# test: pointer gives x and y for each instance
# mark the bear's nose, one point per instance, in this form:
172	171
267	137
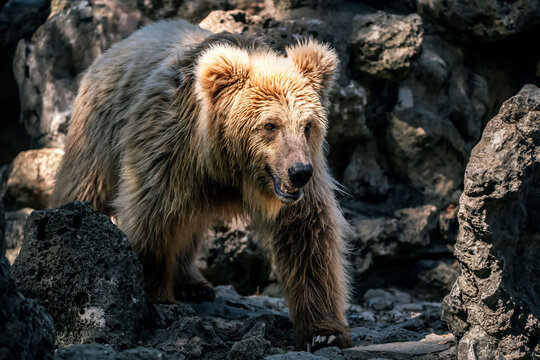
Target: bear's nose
299	174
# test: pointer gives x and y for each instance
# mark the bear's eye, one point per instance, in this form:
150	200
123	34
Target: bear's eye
307	129
270	127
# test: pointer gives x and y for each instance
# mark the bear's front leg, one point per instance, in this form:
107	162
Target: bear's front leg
308	252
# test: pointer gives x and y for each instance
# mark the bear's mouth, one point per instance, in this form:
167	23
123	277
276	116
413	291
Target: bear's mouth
284	192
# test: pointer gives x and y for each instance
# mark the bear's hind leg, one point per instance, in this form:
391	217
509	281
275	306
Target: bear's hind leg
189	283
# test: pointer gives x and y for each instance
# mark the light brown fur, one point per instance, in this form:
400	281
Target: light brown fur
175	127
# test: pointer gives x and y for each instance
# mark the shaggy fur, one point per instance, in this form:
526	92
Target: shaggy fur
175	127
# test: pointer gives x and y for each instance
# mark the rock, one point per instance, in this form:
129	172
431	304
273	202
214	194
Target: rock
31	179
383	240
427	349
46	68
102	352
283	5
485	20
494	304
385	45
20	18
252	348
347	114
80	267
280	33
364	177
26	330
295	355
429	134
331	353
234	257
15	221
380	299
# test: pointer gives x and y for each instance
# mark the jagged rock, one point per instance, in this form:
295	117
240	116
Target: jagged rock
15	221
385	45
234	257
494	305
102	352
80	267
435	122
224	328
484	20
46	68
31	179
26	330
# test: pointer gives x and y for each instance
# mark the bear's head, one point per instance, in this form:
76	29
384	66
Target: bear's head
264	114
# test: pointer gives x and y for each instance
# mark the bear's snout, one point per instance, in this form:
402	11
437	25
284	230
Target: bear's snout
299	174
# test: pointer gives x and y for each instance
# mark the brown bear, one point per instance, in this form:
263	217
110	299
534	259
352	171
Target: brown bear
176	127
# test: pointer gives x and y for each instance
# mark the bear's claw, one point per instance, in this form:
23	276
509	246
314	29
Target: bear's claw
195	293
319	341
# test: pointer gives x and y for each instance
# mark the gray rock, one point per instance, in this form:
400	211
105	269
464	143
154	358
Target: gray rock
47	67
80	267
295	355
251	348
102	352
484	20
15	221
427	349
26	330
494	304
386	45
283	5
233	256
381	241
31	179
331	353
347	114
380	299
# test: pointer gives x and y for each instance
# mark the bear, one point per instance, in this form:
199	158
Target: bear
176	127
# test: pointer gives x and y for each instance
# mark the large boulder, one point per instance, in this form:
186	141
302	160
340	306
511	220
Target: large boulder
494	306
81	268
31	179
26	330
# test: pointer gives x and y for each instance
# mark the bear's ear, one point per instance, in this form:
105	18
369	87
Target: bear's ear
220	70
316	61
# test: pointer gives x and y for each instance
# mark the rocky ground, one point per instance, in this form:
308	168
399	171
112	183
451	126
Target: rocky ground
418	83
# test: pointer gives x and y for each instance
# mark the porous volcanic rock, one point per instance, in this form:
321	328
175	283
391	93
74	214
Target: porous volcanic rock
80	267
385	45
26	330
31	179
494	306
47	67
